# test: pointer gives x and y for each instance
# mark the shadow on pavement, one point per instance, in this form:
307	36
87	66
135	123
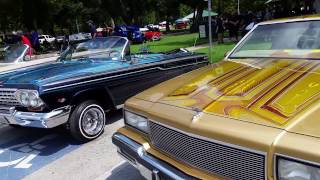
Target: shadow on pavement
25	150
125	171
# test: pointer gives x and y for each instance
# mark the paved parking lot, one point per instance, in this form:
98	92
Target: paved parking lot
52	154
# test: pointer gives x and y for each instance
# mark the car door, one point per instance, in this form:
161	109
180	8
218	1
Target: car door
144	74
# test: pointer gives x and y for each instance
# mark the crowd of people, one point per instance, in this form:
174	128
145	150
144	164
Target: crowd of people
236	26
28	38
32	39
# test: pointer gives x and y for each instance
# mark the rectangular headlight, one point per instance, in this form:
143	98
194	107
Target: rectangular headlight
294	170
137	121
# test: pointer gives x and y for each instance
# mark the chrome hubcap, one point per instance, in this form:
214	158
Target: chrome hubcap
92	121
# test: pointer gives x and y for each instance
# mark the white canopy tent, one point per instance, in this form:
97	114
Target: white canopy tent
271	1
205	13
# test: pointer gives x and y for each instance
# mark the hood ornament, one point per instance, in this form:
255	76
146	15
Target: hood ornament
197	115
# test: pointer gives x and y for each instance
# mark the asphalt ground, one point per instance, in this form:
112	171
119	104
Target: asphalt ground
52	154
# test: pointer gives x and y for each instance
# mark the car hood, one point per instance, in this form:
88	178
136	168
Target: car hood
271	92
55	71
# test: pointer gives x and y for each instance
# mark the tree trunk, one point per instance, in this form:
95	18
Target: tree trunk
195	25
167	24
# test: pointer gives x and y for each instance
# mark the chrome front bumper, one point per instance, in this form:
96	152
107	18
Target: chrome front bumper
149	166
38	120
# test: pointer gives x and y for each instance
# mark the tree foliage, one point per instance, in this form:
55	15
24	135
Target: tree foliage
55	16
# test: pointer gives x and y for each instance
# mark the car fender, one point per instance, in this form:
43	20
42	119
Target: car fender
100	94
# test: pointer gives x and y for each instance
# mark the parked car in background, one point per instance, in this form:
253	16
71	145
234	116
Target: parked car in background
162	25
60	39
79	37
152	34
254	115
17	56
86	81
133	33
181	24
48	38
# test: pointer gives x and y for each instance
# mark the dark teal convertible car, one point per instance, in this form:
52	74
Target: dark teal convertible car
86	81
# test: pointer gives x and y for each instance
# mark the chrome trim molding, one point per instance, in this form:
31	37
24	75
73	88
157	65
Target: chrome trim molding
240	42
34	119
8	97
301	19
268	23
297	159
137	155
125	46
109	77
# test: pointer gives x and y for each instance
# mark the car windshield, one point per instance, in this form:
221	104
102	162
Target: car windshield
282	40
98	49
13	53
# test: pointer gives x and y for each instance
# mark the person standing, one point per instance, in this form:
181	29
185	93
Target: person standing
220	30
251	24
234	24
35	40
27	42
92	29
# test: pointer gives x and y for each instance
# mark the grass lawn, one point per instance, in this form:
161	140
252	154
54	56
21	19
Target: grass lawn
218	51
171	42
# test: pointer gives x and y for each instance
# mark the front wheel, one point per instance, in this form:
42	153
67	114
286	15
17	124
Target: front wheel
87	121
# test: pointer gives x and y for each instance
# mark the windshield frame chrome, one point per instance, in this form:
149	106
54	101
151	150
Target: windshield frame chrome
63	55
240	43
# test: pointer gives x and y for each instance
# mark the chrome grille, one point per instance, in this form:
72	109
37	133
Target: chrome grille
224	160
7	97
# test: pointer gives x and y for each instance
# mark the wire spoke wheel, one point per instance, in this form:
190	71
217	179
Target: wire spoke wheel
87	121
92	121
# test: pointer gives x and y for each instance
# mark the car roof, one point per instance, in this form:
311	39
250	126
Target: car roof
293	19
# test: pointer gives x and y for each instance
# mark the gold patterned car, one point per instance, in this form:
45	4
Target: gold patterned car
254	115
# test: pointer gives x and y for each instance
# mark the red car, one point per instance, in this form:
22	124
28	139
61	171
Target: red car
181	25
152	34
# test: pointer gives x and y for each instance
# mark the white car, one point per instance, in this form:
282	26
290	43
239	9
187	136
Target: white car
47	38
16	56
